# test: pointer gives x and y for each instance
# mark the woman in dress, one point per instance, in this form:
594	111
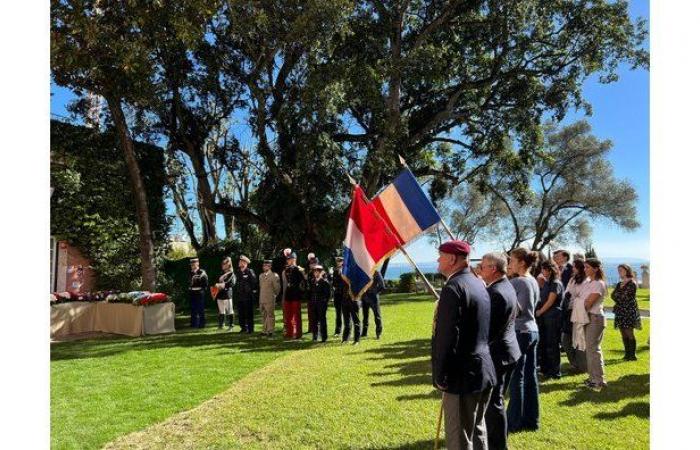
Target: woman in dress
524	406
626	310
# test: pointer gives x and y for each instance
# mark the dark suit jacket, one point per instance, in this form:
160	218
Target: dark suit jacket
504	308
566	274
461	361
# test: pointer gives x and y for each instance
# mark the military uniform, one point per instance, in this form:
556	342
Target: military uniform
269	289
246	291
199	284
319	294
224	298
339	289
370	300
295	288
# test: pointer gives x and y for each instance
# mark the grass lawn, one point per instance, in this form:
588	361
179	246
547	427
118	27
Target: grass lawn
643	298
219	391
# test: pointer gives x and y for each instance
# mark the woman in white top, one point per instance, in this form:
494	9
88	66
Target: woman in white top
593	292
577	358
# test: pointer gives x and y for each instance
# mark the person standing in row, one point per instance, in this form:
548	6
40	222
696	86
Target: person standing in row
224	294
247	291
270	287
339	288
566	269
370	300
279	264
576	357
199	284
593	293
349	306
626	310
295	287
461	362
524	405
319	294
503	344
312	260
549	315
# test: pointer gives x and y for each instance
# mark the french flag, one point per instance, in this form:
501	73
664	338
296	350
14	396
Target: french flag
405	208
368	242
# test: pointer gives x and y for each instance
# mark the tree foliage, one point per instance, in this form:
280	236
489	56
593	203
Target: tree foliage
88	205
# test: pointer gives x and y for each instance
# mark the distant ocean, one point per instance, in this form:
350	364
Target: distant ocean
394	271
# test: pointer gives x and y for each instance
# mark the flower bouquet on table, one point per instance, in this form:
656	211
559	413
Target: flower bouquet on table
60	297
152	299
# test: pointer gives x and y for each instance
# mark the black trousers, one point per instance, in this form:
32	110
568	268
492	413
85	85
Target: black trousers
374	306
319	323
338	305
496	418
245	315
351	310
550	339
197	309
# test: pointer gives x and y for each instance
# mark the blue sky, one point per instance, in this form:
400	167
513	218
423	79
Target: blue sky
620	113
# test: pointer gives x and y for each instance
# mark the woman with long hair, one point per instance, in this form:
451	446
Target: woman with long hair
524	406
549	320
592	294
577	358
626	310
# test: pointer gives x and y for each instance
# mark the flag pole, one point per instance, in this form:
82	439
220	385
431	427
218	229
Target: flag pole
442	221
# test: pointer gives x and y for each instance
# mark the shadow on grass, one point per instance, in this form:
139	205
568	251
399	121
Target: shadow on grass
626	387
639	409
184	337
425	444
418	371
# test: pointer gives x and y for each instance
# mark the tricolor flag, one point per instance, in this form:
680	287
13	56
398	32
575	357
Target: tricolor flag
405	208
368	242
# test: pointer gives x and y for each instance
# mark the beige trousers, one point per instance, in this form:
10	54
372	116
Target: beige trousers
267	310
594	355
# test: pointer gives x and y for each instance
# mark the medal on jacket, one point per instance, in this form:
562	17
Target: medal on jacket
435	316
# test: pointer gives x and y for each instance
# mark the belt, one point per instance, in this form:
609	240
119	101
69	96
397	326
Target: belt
195	289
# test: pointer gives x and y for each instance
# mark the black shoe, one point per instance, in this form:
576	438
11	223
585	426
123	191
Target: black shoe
355	342
242	331
379	335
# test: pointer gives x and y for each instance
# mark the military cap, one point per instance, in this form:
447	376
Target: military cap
317	267
455	247
267	261
244	258
292	255
194	260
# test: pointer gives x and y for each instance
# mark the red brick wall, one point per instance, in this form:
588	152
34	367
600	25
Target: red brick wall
74	273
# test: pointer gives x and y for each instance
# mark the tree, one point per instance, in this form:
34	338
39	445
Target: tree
99	50
571	185
415	74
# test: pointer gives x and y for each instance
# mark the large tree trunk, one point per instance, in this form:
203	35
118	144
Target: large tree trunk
148	267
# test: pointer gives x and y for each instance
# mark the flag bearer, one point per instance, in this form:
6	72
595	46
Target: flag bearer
370	300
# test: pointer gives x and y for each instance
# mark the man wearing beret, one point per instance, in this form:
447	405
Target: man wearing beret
247	291
461	362
199	284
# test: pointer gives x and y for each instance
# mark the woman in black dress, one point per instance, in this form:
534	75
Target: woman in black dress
626	310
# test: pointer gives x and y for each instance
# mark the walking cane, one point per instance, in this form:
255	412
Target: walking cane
437	433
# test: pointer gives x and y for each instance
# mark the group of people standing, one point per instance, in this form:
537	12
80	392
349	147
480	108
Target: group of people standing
494	329
289	284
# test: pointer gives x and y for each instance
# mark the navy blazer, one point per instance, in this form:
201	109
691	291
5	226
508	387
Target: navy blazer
504	308
461	360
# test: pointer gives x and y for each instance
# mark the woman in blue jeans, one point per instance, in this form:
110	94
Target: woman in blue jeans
524	405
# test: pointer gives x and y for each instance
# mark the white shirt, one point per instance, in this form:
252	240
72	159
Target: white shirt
589	287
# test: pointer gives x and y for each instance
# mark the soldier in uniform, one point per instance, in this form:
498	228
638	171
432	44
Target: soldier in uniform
278	266
246	290
350	308
199	284
270	286
339	287
295	287
370	300
461	361
312	261
319	294
224	297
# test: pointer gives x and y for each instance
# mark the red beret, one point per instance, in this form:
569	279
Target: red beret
455	247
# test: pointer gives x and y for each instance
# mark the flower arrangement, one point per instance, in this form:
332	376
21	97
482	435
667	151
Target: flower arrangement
138	298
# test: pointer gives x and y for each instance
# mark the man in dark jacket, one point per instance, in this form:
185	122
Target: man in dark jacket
339	290
370	300
503	343
199	284
247	294
295	285
562	258
461	361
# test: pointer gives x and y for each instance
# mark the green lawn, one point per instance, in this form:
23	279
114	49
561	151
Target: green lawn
255	393
643	299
